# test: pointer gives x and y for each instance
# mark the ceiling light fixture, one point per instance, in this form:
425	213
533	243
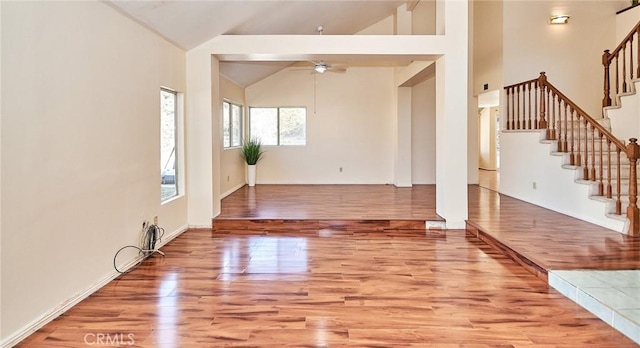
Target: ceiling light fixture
559	19
320	68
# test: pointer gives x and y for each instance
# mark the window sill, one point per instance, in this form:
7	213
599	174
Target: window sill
169	200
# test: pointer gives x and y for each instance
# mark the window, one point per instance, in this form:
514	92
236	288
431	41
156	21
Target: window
231	124
168	137
279	126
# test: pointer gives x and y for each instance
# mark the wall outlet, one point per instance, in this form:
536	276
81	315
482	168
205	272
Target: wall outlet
535	185
340	169
155	220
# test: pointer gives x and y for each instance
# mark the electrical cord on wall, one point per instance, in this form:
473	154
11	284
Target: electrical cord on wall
151	237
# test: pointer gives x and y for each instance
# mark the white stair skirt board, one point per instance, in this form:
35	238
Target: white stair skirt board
533	172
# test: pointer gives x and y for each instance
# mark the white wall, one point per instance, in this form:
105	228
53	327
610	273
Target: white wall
232	167
80	149
382	27
423	19
487	45
570	54
423	132
624	23
352	127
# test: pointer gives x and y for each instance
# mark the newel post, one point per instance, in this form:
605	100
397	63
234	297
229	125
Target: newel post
542	82
633	152
606	101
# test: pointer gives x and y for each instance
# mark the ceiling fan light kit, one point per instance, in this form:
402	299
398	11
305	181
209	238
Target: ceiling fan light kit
320	67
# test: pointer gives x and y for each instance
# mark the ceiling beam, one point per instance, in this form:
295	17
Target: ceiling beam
337	47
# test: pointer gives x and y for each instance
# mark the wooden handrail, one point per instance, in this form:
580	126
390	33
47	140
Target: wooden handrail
608	57
619	144
523	83
538	104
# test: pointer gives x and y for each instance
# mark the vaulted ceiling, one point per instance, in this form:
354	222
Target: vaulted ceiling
191	23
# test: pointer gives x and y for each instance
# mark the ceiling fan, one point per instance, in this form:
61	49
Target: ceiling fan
320	67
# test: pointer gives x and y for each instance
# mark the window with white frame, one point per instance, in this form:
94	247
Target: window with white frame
279	125
231	124
168	144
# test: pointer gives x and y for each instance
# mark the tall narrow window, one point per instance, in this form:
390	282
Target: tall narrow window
168	143
231	124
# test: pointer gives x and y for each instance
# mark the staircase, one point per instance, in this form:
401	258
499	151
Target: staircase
600	161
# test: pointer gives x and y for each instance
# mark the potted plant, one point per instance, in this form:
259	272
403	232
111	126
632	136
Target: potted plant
251	153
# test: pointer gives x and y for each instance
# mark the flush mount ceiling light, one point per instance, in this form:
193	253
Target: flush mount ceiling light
559	19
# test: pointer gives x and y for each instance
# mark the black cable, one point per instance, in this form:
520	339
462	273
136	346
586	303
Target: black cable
152	236
132	267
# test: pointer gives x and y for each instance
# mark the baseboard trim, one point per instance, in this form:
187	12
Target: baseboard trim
232	190
37	324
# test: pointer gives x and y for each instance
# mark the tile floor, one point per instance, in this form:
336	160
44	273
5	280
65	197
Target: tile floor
613	296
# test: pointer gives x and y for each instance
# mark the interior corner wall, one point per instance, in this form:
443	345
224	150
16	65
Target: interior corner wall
232	167
571	54
80	150
348	127
423	132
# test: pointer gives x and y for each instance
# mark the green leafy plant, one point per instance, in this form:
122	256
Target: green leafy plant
252	151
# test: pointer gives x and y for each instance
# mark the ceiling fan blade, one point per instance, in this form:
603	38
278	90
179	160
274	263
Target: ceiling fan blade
339	70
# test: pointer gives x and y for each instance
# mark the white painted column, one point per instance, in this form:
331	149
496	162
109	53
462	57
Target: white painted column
199	159
402	149
451	118
402	156
403	20
473	142
216	136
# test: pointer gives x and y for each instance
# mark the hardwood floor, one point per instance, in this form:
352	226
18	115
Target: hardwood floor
322	202
300	284
548	239
357	289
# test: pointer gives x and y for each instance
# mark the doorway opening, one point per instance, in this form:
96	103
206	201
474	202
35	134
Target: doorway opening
489	138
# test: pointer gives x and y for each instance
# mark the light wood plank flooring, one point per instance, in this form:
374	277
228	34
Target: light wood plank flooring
339	286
